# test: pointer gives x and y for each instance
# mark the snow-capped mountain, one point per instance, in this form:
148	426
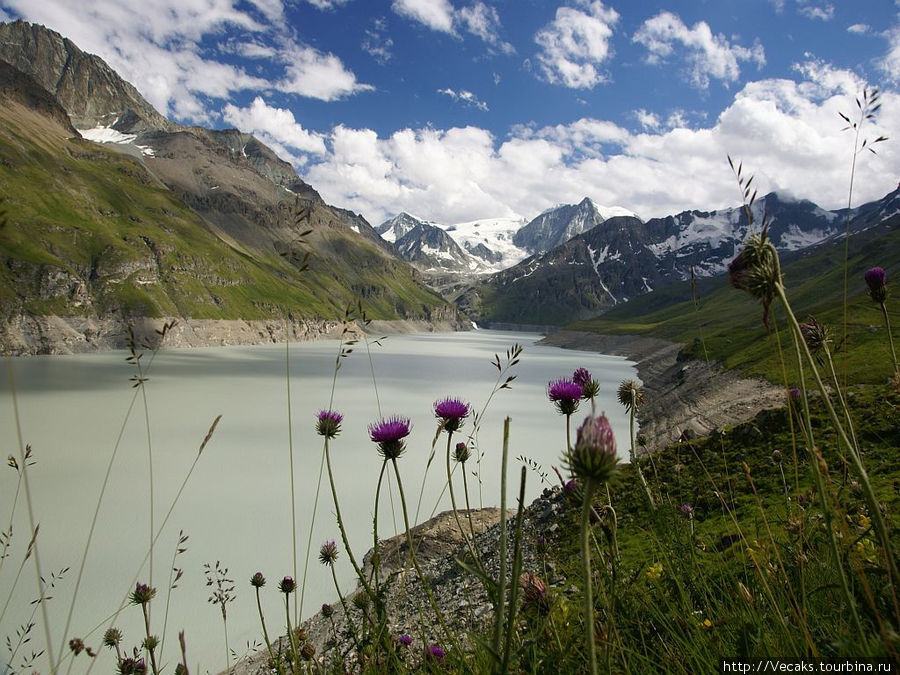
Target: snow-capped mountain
624	257
490	240
430	248
559	224
393	229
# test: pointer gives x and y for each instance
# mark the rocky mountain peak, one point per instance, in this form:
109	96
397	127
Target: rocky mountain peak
85	86
556	226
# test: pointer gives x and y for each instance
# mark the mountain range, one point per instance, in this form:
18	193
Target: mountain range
115	211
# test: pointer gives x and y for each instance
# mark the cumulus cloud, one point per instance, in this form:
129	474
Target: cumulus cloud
707	55
276	127
435	14
787	132
890	63
466	97
478	19
575	45
161	47
815	9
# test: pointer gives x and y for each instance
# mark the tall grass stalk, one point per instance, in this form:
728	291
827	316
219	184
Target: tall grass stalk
163	332
33	525
290	430
586	575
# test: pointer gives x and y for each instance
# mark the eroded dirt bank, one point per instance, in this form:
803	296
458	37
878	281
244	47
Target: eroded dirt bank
684	398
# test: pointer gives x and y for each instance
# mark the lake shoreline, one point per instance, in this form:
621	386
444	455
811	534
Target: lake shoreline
684	398
36	335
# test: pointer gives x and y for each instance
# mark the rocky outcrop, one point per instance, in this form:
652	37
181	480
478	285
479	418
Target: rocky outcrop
439	542
84	84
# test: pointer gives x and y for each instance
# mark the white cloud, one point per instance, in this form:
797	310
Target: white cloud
787	133
708	55
484	21
649	121
575	45
435	14
316	74
377	43
327	4
466	97
859	28
890	63
478	19
274	126
160	46
815	9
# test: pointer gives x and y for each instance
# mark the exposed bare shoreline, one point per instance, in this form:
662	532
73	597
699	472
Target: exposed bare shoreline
684	398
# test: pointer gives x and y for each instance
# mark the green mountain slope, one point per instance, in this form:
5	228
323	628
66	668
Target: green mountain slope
725	325
96	231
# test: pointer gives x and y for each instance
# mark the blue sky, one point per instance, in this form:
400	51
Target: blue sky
461	109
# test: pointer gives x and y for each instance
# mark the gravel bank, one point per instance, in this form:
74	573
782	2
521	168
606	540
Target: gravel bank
684	398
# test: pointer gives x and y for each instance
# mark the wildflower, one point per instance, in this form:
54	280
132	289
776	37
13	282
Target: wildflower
815	335
327	610
405	640
112	637
132	667
630	395
565	395
328	423
328	553
654	572
534	591
755	270
258	580
461	453
594	455
452	412
706	624
686	510
287	585
876	280
434	654
389	434
589	386
307	652
142	594
76	645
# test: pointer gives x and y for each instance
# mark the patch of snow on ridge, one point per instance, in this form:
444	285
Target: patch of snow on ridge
794	239
101	134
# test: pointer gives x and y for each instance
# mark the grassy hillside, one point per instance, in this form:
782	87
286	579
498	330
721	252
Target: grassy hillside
91	231
726	324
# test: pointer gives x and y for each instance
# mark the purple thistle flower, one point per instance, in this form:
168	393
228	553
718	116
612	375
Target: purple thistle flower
589	386
876	280
461	453
287	585
258	580
142	594
594	455
328	553
389	434
564	394
452	412
434	654
686	510
327	610
405	640
328	423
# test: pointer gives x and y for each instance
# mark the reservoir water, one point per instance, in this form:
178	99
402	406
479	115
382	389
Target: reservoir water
236	507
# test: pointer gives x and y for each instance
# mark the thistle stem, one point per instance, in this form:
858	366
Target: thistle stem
340	521
462	532
586	574
887	325
415	560
262	621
